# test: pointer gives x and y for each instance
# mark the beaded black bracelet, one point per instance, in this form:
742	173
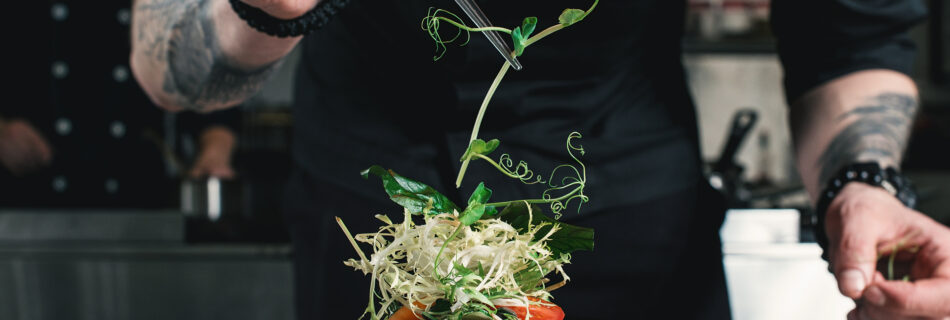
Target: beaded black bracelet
866	172
314	19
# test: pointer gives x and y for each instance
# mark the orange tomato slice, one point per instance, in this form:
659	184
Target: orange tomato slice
405	313
545	311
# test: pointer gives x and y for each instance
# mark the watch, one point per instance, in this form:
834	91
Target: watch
314	19
869	173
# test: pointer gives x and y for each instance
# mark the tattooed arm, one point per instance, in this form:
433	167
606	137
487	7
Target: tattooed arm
199	55
865	116
860	117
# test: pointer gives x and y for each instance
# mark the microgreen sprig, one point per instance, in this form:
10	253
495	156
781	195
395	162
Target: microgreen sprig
432	23
461	262
567	18
573	182
507	167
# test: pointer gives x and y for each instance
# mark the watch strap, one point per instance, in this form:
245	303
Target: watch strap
869	173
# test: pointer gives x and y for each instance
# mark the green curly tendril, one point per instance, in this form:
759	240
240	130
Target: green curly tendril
561	191
567	18
431	24
507	167
575	183
570	186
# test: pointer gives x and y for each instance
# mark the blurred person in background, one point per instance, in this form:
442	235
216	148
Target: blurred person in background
367	91
87	136
34	172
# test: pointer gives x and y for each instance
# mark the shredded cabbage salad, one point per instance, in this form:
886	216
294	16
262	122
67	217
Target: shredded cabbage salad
487	262
469	261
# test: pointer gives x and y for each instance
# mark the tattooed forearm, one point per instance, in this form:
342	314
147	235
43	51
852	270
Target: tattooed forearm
878	132
197	71
181	36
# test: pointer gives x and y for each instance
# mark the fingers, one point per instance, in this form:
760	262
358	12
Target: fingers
205	168
927	297
866	312
224	172
869	312
42	151
18	156
197	172
22	148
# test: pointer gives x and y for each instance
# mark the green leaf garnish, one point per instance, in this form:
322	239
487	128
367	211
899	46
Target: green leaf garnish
441	305
518	40
528	279
571	16
480	195
415	196
464	288
476	205
479	146
477	296
568	238
520	35
528	25
472	214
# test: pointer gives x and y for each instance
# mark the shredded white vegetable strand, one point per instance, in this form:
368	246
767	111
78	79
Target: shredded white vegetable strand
492	252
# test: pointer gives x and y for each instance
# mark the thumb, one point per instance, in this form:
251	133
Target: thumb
854	260
927	297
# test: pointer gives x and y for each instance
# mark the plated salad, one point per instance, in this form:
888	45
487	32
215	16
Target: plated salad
482	260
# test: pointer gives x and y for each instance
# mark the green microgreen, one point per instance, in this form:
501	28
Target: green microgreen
459	261
528	25
899	246
432	23
520	35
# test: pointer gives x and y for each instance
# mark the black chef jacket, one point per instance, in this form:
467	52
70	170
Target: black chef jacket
369	92
74	86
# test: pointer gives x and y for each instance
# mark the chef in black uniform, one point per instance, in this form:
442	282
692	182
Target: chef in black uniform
89	136
368	92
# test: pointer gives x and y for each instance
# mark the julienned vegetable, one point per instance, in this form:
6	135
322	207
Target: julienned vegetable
486	260
459	261
455	270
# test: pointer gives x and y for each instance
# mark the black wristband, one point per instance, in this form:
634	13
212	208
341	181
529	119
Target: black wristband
869	173
314	19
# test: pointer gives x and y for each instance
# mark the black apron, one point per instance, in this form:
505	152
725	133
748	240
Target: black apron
368	92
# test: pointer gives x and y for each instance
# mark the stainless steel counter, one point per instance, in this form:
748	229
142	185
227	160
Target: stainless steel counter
130	225
133	264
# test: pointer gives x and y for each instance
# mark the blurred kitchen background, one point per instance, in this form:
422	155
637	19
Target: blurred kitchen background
119	218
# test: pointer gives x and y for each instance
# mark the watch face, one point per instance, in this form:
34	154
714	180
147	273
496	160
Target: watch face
889	187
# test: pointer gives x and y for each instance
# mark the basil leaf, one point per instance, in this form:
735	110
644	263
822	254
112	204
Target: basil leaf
412	195
571	16
479	146
567	239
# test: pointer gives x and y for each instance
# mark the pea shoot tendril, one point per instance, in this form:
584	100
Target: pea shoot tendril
467	260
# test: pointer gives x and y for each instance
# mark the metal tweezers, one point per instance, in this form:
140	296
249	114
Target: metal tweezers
481	21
